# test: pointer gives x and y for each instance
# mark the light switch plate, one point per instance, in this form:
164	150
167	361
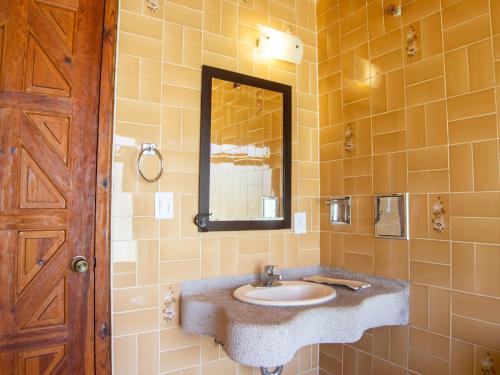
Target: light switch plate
164	205
300	223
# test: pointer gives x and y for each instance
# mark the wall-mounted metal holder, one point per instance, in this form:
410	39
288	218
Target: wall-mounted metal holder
149	149
340	210
392	216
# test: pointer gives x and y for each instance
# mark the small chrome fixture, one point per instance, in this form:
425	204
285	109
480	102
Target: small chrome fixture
394	10
149	149
269	278
267	371
391	216
340	210
79	264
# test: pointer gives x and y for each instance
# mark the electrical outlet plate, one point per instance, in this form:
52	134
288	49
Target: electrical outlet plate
164	205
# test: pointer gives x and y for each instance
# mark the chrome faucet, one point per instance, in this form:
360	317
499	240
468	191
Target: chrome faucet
269	278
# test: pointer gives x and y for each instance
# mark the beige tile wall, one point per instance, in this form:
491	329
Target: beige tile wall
158	100
428	125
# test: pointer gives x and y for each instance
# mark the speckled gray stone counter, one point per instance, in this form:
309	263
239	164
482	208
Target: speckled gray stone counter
265	336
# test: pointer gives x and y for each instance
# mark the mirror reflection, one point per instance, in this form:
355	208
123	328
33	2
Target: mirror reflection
246	152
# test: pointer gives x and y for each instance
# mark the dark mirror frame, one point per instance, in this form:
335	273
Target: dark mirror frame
202	220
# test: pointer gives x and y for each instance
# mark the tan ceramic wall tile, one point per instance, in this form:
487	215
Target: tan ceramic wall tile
463	276
178	249
428	158
179	358
425	92
430	251
457	72
125	361
426	364
386	43
439	310
430	274
468	32
131	5
486	168
135	322
435	123
419	306
477	230
389	142
473	129
487	275
481	68
431	40
461	168
135	298
138	112
399	345
182	15
418	9
424	70
485	204
391	121
177	271
463	11
429	343
127	82
428	181
148	353
477	307
391	259
140	25
476	332
462	358
173	338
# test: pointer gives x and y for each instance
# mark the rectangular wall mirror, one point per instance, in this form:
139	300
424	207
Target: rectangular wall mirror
245	153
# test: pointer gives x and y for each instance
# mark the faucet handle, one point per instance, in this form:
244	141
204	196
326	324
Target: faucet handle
269	269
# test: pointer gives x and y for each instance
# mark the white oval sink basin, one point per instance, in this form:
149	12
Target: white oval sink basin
289	293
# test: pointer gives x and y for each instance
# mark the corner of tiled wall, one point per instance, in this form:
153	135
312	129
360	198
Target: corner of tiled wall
425	121
158	101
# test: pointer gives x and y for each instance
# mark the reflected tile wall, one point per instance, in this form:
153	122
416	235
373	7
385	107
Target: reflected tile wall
158	101
430	125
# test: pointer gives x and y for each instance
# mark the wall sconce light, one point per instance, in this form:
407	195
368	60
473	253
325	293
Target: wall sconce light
275	44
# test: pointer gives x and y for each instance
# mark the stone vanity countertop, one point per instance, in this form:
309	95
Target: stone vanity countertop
267	336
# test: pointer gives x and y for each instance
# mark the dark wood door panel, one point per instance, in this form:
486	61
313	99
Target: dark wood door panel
50	55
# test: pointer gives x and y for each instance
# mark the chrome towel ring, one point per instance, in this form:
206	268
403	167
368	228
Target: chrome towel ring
149	149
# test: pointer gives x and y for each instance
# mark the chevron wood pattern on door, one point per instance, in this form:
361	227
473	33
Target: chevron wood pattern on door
39	361
55	129
42	76
50	54
52	310
36	188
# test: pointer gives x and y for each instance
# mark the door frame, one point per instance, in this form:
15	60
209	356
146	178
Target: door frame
102	247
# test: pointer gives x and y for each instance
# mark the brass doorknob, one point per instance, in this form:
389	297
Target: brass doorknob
79	264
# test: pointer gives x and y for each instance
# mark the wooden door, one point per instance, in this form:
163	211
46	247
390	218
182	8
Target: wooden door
50	53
